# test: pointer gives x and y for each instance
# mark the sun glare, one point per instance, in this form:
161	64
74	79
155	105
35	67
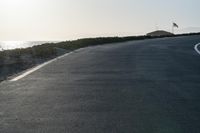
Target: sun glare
16	2
13	4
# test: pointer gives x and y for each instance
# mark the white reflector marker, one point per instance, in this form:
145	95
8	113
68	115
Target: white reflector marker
196	48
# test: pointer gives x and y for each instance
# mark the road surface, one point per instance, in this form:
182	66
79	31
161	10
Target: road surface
149	86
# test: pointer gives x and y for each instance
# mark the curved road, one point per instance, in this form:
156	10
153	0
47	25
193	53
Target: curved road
149	86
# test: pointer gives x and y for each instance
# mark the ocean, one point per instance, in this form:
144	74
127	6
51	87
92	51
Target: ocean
8	45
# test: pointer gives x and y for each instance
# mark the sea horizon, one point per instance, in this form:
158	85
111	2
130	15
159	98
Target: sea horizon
9	45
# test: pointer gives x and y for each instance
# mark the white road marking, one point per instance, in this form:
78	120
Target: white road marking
196	48
38	67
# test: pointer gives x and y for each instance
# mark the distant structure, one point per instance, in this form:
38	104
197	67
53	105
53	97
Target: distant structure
160	33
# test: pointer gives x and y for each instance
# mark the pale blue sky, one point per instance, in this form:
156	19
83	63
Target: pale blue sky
71	19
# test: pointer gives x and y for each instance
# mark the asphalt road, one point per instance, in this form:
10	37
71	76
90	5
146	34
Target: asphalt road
149	86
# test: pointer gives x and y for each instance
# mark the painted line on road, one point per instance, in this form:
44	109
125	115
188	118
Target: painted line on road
196	48
39	66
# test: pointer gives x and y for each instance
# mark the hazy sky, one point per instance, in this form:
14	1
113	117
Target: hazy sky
70	19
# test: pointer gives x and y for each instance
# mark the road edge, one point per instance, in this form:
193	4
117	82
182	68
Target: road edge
30	71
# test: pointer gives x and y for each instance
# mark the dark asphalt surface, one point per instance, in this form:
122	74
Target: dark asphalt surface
150	86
